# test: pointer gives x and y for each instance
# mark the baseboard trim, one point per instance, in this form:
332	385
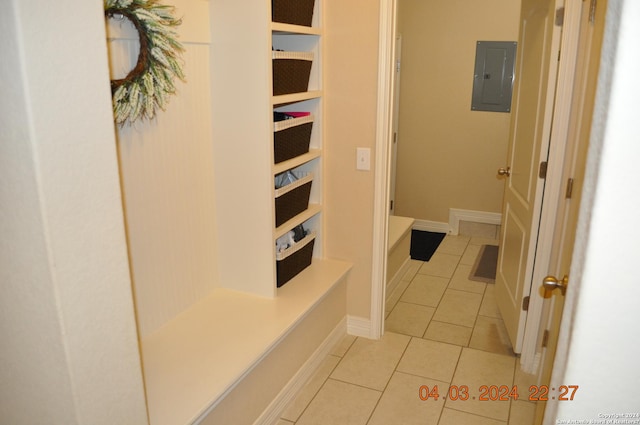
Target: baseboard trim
272	413
457	215
359	326
431	226
397	278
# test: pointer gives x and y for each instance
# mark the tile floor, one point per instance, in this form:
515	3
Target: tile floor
442	330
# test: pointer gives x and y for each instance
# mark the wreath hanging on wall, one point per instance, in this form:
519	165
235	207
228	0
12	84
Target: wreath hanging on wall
148	85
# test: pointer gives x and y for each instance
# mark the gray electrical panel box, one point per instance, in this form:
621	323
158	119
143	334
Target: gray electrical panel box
493	76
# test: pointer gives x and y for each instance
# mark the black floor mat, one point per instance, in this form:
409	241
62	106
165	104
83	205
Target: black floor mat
424	244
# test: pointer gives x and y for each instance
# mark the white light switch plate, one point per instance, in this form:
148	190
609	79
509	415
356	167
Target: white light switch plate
363	159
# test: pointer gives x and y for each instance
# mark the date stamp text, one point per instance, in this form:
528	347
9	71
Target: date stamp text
499	393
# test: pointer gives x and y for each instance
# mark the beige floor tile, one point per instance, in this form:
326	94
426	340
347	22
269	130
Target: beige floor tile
394	296
462	336
414	266
490	334
524	380
409	319
453	245
484	241
478	368
293	411
401	403
461	281
458	308
371	363
426	290
442	265
454	417
522	413
430	359
341	348
489	307
340	403
470	255
449	333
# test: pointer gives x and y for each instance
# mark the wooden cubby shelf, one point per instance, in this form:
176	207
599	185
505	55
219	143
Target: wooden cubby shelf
284	99
280	28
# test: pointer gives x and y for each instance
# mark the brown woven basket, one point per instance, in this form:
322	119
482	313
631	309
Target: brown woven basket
294	260
291	71
291	138
293	199
296	12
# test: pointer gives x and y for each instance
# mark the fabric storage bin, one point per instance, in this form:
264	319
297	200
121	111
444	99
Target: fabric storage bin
291	138
294	259
291	71
296	12
292	199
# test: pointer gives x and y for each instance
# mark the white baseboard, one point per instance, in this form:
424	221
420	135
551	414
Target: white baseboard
431	226
397	278
457	215
272	413
359	326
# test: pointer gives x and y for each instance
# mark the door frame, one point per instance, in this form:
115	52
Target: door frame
384	134
397	70
554	188
530	357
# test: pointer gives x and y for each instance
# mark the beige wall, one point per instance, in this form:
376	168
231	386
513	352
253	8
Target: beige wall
447	154
351	57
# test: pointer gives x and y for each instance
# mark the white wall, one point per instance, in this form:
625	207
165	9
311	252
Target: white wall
69	352
602	348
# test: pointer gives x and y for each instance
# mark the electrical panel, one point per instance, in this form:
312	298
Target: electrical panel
493	76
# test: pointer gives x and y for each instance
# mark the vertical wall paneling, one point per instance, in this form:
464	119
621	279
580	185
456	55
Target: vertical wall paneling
166	168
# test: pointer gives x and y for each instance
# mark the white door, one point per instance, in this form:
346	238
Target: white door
591	34
531	117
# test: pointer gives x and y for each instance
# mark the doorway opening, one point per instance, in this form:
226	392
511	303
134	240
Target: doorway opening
561	110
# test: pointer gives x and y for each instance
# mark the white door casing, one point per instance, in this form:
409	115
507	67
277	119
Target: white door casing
554	186
591	30
384	133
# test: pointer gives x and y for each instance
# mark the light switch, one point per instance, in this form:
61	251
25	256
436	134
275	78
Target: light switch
363	159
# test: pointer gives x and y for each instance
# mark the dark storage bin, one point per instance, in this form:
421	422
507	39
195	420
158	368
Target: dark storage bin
291	71
295	259
292	199
296	12
291	138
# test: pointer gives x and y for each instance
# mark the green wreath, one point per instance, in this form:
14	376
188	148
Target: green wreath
149	83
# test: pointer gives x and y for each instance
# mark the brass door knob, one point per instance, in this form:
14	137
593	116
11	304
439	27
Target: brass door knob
504	171
551	282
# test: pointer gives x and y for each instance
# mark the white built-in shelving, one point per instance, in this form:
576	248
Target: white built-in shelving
243	104
305	39
196	359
